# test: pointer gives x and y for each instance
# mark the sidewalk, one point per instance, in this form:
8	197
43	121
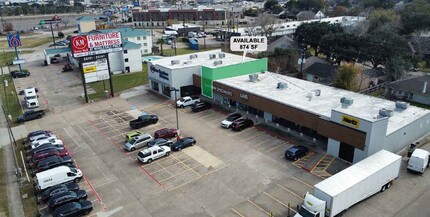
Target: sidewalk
12	185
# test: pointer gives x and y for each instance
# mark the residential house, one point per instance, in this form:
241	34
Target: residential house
415	89
321	73
284	42
86	24
370	77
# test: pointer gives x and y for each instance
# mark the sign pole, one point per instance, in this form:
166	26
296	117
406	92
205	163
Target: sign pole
52	33
110	77
17	57
83	82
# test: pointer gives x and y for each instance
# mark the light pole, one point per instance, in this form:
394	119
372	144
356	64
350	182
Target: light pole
302	59
176	107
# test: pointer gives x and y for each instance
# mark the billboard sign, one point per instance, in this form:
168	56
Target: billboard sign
85	45
136	3
95	68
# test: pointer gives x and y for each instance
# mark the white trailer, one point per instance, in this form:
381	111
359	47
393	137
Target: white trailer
352	185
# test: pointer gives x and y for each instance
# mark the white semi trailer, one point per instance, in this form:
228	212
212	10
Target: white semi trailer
352	185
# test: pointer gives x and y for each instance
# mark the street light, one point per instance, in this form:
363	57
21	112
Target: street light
302	59
176	107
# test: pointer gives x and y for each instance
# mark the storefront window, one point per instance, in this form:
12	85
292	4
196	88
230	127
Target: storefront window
155	86
225	100
242	107
166	90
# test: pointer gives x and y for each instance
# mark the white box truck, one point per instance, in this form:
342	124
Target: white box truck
419	160
55	176
30	98
352	185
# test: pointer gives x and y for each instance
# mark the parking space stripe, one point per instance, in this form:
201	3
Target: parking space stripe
250	138
237	212
165	168
260	208
289	191
171	189
276	147
305	183
173	176
277	200
137	163
187	166
87	134
271	138
317	163
85	177
243	131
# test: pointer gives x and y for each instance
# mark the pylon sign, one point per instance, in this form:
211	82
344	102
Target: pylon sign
14	40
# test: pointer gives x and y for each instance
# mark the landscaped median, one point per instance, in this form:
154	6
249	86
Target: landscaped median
29	42
4	207
8	57
12	105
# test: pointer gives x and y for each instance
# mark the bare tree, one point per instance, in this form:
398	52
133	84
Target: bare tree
8	27
305	15
251	29
66	21
267	24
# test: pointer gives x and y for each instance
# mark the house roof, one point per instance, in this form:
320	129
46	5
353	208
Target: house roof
420	44
128	45
86	18
127	32
414	84
311	60
373	73
283	42
324	71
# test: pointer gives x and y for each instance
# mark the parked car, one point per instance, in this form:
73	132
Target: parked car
241	124
131	135
30	115
66	197
166	133
43	148
40	137
51	141
183	143
160	142
201	106
295	152
38	132
138	142
53	161
143	120
17	74
74	209
152	153
226	123
187	101
47	153
58	189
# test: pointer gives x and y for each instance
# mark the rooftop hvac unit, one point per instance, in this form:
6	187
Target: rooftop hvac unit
212	56
282	85
221	55
174	62
317	92
193	56
385	113
346	101
402	105
217	62
253	77
311	94
186	62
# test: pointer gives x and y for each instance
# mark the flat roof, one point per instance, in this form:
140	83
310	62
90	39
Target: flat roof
296	95
201	60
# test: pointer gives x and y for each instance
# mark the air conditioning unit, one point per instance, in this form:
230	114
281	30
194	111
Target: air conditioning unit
385	112
317	92
212	56
253	77
217	62
346	101
193	56
282	85
402	105
311	94
174	62
221	55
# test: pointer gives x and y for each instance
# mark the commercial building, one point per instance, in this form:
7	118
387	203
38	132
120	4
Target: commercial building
354	126
159	17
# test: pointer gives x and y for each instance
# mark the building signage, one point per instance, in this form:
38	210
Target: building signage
244	43
95	68
161	74
350	121
85	45
244	96
220	90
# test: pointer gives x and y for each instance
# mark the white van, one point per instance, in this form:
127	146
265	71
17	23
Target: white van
55	176
30	98
419	160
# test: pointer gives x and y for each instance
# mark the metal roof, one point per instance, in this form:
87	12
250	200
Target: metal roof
50	51
127	45
127	32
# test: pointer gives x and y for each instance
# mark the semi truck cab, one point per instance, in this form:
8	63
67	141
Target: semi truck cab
312	207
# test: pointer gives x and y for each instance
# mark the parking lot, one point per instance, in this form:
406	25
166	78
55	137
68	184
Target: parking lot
225	174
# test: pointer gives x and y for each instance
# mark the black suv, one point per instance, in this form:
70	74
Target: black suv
241	124
74	209
58	189
52	162
67	197
295	152
201	106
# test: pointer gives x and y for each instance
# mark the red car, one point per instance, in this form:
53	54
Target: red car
165	133
52	152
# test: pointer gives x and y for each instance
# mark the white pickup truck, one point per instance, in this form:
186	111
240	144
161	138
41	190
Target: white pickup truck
187	101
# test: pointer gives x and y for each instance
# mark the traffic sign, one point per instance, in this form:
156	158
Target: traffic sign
43	22
14	40
18	61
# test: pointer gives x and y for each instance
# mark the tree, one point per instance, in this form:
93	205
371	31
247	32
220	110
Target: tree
396	68
161	41
251	12
311	33
383	18
283	60
269	4
8	27
305	15
267	24
347	77
308	5
276	9
339	11
66	21
416	17
385	4
340	47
